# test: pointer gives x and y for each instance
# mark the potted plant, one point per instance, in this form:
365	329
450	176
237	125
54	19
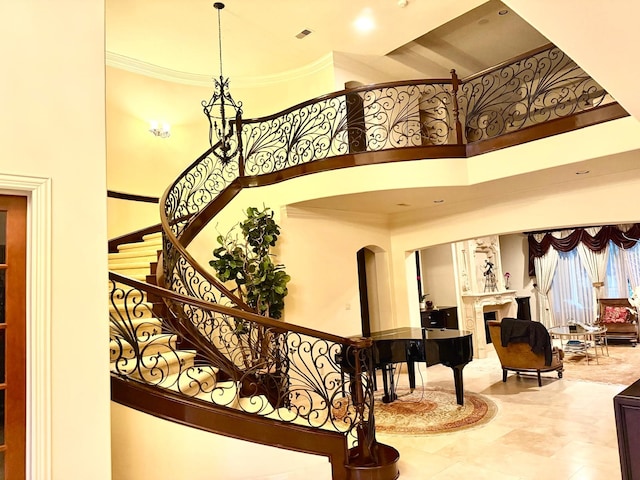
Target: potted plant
425	304
247	261
244	258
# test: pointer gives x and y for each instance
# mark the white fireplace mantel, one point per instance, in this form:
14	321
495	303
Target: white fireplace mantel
475	305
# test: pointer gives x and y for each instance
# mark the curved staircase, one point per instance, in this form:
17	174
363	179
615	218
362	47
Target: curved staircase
185	348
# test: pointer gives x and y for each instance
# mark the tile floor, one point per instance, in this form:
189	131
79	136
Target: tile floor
564	430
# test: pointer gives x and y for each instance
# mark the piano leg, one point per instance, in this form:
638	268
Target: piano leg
388	383
411	371
457	378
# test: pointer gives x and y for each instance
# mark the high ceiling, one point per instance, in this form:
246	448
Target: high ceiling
425	38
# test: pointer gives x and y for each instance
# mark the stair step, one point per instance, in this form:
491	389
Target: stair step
131	263
156	369
139	310
150	255
149	245
132	271
140	328
151	345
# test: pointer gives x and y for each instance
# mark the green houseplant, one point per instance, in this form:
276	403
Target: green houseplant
247	261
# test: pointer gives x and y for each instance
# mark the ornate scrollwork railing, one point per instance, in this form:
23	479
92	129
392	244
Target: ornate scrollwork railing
276	365
370	118
291	374
537	88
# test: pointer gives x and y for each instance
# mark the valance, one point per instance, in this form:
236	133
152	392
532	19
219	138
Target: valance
621	236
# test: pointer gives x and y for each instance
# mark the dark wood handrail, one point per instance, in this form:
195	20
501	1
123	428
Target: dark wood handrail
132	197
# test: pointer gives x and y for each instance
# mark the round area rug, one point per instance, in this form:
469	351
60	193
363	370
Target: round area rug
432	410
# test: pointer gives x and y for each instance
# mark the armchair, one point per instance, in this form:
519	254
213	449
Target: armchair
619	318
518	355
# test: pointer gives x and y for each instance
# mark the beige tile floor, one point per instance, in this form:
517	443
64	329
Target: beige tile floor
564	430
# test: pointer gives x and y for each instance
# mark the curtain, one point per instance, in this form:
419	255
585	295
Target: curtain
595	263
632	263
616	284
571	294
545	267
624	236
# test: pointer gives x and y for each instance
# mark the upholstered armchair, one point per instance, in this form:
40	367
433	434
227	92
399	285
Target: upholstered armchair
619	318
518	355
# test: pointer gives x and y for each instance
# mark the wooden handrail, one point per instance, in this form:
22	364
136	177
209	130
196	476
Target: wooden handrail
132	197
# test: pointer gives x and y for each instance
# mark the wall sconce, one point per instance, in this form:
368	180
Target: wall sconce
158	131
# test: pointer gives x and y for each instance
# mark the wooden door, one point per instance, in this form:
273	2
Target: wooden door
13	243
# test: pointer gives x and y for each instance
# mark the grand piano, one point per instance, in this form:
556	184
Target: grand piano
449	347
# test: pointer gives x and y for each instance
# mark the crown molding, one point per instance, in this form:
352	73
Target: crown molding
139	67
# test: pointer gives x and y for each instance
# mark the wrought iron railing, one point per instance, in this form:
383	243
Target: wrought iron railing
543	85
287	373
373	118
279	370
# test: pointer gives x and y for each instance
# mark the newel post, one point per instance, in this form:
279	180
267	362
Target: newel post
456	110
365	430
240	146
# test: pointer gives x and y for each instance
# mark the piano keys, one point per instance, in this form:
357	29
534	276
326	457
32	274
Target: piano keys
449	347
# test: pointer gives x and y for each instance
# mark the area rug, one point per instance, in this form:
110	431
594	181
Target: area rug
431	411
622	366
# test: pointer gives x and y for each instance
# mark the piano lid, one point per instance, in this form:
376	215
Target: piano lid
409	333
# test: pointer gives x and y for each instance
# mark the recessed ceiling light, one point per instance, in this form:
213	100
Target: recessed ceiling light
503	12
582	172
438	201
365	23
402	205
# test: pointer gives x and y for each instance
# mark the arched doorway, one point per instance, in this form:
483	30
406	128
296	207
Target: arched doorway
373	283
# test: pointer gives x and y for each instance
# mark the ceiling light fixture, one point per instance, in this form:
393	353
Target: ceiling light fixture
365	23
503	12
582	172
222	111
163	132
438	201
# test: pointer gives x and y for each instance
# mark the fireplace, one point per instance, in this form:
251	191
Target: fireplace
488	316
481	307
483	293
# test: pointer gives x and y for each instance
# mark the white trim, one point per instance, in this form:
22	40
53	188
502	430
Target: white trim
38	342
133	65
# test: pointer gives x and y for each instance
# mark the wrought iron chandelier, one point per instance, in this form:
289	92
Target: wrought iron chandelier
222	111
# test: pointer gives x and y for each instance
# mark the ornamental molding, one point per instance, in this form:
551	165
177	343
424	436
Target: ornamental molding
139	67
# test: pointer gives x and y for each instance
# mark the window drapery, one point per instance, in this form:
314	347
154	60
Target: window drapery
566	291
595	264
545	267
620	235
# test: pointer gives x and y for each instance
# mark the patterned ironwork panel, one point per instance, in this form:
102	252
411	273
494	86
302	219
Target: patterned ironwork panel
276	372
536	89
364	120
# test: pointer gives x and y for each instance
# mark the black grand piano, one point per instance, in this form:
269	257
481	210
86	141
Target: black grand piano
449	347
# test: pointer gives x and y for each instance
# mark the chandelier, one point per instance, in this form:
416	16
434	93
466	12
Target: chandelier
222	111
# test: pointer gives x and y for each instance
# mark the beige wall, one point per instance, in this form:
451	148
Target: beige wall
52	126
